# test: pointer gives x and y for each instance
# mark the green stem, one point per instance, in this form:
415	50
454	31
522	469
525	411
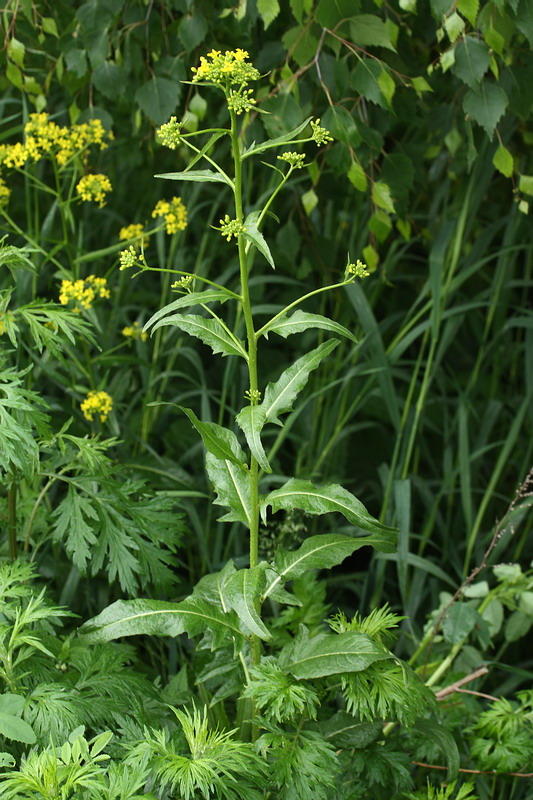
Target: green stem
12	519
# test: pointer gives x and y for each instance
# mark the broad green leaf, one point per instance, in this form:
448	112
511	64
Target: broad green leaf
197	175
420	85
309	201
251	420
313	499
525	184
278	141
472	60
209	331
268	11
386	85
357	177
517	626
16	51
254	235
381	196
346	731
503	161
459	621
158	98
110	79
192	616
323	552
302	43
486	105
469	9
330	12
524	19
12	704
242	592
301	321
232	487
454	25
219	441
192	28
365	80
12	727
280	396
332	654
367	29
191	299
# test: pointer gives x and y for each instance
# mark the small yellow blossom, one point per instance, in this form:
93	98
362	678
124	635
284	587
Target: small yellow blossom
174	212
135	332
15	155
5	191
93	188
134	231
229	69
97	403
82	293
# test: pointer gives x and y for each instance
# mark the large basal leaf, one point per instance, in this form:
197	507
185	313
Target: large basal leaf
312	499
209	331
255	237
232	487
242	592
219	441
198	176
323	552
251	420
192	616
280	396
333	654
301	321
278	141
192	299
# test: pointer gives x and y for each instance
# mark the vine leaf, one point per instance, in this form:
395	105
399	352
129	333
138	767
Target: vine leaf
254	235
251	420
301	321
313	499
219	441
191	299
322	552
241	593
279	396
209	331
232	487
332	654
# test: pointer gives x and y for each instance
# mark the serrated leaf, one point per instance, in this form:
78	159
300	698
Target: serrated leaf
16	51
73	529
219	441
191	299
332	654
346	731
297	493
525	184
242	592
14	728
486	105
280	396
454	25
302	321
251	420
386	85
357	177
197	176
158	98
254	235
278	141
268	11
192	616
503	161
459	621
209	331
323	552
420	85
472	60
469	9
381	195
367	29
232	488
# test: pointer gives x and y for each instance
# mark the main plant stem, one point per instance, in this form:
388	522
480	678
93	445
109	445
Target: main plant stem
252	362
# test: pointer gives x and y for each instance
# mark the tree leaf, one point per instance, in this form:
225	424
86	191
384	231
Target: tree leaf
301	321
323	552
469	9
312	499
268	10
242	592
192	616
254	235
279	396
381	196
219	441
197	175
346	731
191	299
110	79
15	728
232	488
472	60
357	177
503	161
209	331
486	105
158	98
367	29
459	621
332	654
192	29
251	420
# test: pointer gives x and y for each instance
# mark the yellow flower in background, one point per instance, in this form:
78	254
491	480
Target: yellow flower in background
174	212
93	188
14	155
135	332
5	191
134	231
97	403
82	293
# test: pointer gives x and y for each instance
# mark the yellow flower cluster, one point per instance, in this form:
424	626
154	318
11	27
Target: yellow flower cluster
174	212
169	134
44	138
94	188
358	269
5	191
228	69
134	231
82	293
99	403
135	332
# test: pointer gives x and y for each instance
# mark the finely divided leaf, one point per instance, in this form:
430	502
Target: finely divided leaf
322	552
219	441
279	396
192	299
73	529
333	654
301	321
241	593
197	175
209	331
232	487
251	420
254	235
313	499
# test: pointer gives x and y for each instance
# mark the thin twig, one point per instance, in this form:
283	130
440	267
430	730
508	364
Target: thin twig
475	771
455	687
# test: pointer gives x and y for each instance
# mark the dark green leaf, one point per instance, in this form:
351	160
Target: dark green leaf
346	731
209	331
459	621
332	654
110	79
367	29
232	487
158	98
251	420
472	60
192	29
486	105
